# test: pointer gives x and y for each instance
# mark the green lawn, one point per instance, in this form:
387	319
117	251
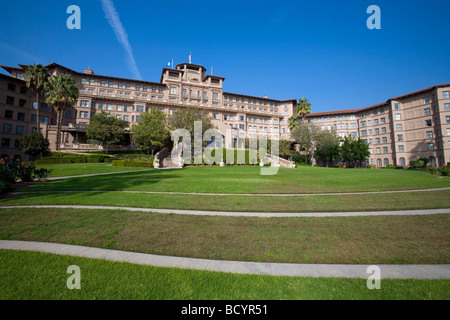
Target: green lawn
374	240
75	169
337	203
34	275
248	180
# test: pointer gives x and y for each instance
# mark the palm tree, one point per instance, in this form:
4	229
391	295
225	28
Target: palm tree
36	77
303	107
61	93
293	122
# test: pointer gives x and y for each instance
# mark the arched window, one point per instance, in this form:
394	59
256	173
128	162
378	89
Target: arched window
402	161
386	161
379	163
432	161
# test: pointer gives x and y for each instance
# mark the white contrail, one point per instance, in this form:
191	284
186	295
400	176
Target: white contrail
113	18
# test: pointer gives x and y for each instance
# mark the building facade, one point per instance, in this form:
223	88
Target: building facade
187	85
402	129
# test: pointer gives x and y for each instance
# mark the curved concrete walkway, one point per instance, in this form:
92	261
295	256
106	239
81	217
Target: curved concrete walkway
246	214
259	268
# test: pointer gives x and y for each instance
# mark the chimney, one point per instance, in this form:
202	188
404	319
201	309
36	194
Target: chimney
265	97
88	71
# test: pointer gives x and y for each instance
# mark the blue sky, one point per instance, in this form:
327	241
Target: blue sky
283	49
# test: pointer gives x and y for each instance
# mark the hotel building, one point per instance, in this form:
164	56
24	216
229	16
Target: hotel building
187	85
404	128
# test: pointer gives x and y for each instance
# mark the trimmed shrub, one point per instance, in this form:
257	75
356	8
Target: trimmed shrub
445	170
118	163
139	164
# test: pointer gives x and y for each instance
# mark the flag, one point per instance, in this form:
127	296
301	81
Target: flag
168	64
190	58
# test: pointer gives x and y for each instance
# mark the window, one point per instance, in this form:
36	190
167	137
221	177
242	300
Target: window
383	120
9	100
21	116
138	87
375	122
378	150
119	117
23	90
430	146
397	106
352	125
125	118
120	85
20	129
84	81
448	131
447	119
399	137
127	86
84	114
377	141
160	90
383	130
84	103
119	108
173	90
215	95
7	128
22	103
67	113
429	134
384	139
8	114
447	106
428	123
11	87
377	131
109	107
426	100
103	83
398	116
43	119
445	95
140	108
385	149
92	82
427	111
6	142
399	127
110	84
215	116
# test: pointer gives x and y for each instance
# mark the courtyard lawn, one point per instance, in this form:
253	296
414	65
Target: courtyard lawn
35	275
76	169
334	240
248	180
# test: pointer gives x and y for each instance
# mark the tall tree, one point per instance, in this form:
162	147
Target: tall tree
303	107
106	128
61	93
185	118
33	145
354	151
36	77
327	146
151	132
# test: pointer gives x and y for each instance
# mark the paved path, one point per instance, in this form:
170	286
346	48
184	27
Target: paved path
247	214
260	268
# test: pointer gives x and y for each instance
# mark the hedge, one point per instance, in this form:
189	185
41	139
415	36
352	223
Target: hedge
58	159
124	163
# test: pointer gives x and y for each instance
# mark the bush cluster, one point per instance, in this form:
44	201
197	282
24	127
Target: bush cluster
418	164
26	172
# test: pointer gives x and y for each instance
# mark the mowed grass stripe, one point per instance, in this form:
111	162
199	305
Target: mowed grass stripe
330	203
333	240
248	180
24	274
